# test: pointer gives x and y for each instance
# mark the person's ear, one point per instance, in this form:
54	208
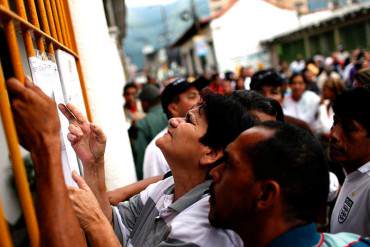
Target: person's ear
173	109
210	156
269	194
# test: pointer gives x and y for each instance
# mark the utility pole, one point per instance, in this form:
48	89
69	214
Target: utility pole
194	15
165	25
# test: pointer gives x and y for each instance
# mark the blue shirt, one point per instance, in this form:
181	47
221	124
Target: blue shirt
307	236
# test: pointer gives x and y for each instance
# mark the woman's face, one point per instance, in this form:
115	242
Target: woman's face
327	93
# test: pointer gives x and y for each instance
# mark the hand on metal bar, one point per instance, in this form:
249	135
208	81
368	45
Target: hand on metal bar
35	125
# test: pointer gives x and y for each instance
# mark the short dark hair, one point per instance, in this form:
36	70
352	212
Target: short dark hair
253	101
363	76
354	104
127	86
294	75
294	159
267	77
226	119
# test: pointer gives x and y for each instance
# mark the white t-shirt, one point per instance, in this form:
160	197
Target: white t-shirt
154	162
333	187
305	109
325	118
352	209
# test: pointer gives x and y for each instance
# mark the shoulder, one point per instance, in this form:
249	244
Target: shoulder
345	239
192	225
309	95
287	100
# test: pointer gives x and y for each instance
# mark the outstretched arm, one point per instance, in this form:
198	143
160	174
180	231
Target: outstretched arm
89	141
124	193
38	128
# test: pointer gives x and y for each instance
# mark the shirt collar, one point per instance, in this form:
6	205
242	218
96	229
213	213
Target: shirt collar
365	168
191	197
302	236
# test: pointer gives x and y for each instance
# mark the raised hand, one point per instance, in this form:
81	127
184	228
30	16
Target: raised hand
91	216
87	139
84	203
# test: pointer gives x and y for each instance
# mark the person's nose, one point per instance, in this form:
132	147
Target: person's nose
174	122
334	134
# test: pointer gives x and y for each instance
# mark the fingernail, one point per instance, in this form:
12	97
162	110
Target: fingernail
29	78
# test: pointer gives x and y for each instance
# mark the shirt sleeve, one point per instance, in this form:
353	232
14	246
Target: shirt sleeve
125	215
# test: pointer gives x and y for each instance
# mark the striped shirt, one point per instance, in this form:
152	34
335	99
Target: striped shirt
151	218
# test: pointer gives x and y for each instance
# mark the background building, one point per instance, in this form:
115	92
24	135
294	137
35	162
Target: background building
322	32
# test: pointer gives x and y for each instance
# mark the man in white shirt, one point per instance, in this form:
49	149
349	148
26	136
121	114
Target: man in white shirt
178	97
350	145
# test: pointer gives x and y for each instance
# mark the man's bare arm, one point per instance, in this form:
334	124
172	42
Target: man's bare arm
89	141
124	193
38	128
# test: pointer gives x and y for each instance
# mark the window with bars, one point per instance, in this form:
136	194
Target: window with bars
29	28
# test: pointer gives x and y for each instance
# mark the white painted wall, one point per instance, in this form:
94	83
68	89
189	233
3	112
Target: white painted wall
104	78
237	34
8	196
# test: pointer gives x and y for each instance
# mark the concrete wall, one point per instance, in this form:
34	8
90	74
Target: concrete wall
104	77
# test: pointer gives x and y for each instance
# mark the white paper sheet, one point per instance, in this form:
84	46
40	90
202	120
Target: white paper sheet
45	75
70	80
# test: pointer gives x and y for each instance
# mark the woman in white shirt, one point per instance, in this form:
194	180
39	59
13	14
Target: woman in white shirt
301	103
332	87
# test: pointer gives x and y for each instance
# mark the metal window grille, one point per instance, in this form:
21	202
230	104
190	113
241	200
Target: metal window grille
45	25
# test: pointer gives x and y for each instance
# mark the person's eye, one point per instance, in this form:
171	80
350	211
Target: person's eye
192	96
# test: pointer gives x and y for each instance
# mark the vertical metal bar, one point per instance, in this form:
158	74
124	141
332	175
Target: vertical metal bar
61	21
64	23
79	68
11	39
19	170
35	22
56	21
26	33
5	239
51	19
69	24
44	22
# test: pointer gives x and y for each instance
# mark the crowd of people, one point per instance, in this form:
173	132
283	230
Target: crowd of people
305	91
275	157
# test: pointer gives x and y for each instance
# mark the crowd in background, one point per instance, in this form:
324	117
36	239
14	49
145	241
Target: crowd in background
305	90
